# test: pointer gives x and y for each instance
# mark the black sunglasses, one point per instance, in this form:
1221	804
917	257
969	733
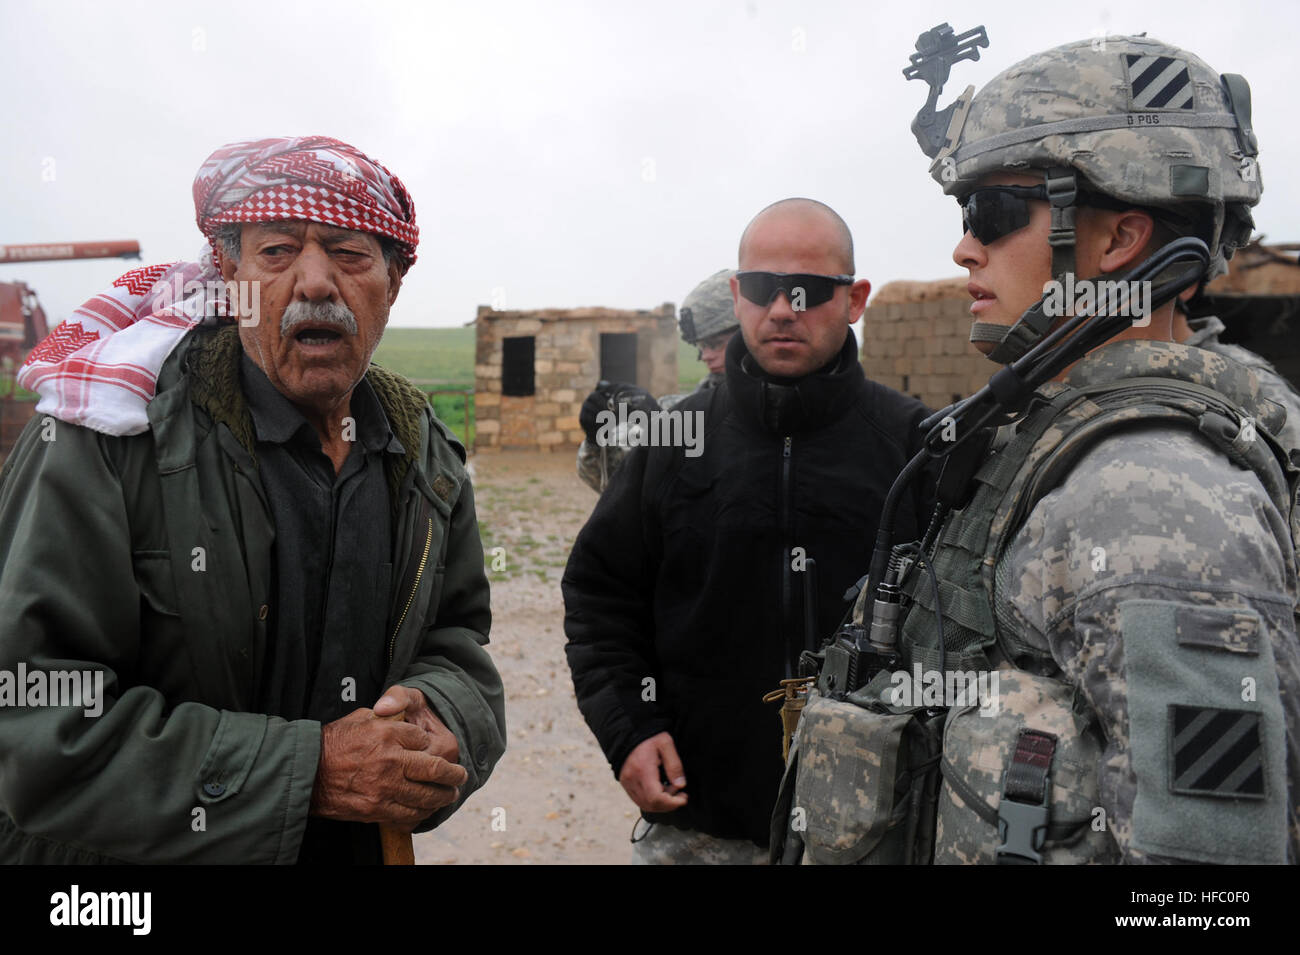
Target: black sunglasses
993	212
808	289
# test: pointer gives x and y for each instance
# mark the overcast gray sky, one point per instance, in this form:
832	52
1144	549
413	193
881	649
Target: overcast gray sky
559	153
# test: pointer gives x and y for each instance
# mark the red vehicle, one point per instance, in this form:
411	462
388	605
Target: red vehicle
22	320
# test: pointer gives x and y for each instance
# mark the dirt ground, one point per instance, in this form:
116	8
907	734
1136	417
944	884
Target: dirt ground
552	798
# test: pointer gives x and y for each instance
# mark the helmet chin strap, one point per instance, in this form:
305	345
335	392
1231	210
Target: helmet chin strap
1016	341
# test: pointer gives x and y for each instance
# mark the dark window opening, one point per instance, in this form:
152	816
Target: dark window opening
517	365
618	358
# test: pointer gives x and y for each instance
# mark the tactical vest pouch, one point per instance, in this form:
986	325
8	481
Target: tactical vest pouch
867	783
978	745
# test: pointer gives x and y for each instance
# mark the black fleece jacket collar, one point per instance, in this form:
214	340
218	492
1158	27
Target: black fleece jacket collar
791	405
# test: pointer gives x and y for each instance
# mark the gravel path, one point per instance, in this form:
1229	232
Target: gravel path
552	797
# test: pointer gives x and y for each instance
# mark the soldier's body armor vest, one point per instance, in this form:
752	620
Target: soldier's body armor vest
886	775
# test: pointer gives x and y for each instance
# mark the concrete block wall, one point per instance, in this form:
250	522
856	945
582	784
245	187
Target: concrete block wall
915	339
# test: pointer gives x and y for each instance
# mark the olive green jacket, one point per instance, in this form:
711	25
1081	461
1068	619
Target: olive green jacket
149	558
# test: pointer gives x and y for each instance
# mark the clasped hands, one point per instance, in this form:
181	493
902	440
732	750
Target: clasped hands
394	764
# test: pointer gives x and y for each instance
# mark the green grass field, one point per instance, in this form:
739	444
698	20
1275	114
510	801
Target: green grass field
436	359
443	359
689	368
430	357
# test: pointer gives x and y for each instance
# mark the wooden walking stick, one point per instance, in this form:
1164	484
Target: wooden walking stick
398	847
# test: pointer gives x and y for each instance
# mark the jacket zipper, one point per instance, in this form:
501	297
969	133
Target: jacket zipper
419	572
785	556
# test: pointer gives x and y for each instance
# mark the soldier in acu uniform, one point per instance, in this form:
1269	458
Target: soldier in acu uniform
1204	332
707	320
1118	564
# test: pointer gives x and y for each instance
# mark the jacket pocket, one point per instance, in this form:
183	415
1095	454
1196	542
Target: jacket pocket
979	744
426	602
153	575
690	531
182	659
866	782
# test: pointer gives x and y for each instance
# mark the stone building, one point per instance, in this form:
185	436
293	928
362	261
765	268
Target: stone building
532	369
915	335
1259	302
915	340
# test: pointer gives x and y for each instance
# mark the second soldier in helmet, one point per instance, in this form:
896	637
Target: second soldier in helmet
707	320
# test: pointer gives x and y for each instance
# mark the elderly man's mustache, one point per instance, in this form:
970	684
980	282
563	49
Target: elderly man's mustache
319	314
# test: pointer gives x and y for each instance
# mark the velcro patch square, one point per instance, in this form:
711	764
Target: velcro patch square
443	486
1218	628
1215	752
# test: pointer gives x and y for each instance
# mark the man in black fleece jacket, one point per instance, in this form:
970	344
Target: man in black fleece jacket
684	593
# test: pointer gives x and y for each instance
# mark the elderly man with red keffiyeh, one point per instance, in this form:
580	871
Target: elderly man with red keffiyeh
256	550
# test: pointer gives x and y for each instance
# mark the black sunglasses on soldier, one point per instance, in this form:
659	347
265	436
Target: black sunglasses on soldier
993	212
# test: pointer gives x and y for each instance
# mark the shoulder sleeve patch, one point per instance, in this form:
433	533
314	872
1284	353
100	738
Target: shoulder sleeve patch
1207	735
1215	752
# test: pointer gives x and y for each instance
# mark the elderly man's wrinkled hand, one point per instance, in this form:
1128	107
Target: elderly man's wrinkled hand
381	770
411	705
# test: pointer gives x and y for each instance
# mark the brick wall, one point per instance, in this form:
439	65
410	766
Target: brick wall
915	339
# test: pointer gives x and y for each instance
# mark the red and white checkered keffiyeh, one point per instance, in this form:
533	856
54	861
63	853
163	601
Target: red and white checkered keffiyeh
313	178
99	368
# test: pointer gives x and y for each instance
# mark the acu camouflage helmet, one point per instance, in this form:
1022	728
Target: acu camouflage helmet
708	309
1140	120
